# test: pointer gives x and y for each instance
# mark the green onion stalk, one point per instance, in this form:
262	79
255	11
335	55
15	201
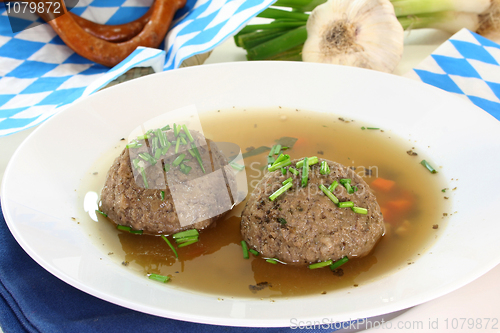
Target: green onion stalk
284	36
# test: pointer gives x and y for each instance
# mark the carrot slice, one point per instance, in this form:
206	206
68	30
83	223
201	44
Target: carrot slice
383	184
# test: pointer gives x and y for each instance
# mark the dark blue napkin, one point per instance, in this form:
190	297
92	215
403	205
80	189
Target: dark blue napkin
33	300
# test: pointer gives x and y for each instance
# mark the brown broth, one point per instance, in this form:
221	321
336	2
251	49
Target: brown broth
215	264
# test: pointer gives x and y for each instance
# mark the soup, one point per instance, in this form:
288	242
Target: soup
411	199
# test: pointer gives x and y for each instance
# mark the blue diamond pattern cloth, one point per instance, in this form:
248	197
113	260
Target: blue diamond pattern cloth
39	74
467	65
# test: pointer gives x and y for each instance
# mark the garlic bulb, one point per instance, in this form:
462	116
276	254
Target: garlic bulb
360	33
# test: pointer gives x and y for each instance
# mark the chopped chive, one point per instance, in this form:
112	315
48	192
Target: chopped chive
148	158
186	239
271	152
338	263
281	158
279	165
158	153
143	137
183	140
178	160
283	171
255	253
144	178
373	128
280	191
444	189
325	169
188	243
329	194
334	185
347	184
177	143
428	166
166	167
165	128
354	189
160	136
102	213
237	166
162	195
305	172
138	232
320	264
363	128
176	130
288	180
170	245
270	160
282	221
165	149
186	169
158	277
244	246
135	162
359	210
277	149
312	160
345	204
123	227
183	135
186	233
198	158
285	148
186	130
271	261
293	170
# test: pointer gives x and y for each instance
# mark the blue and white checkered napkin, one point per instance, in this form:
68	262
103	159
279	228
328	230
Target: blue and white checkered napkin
39	73
467	65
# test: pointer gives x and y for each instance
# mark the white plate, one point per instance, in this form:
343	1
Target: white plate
38	192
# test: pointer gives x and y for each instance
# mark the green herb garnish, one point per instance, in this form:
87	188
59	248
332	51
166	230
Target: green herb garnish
244	246
312	160
305	172
325	169
288	180
359	210
320	264
280	191
158	277
293	170
255	253
338	263
170	245
345	204
282	221
178	159
329	194
334	185
428	166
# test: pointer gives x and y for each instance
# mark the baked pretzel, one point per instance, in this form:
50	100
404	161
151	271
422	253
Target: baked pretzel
87	41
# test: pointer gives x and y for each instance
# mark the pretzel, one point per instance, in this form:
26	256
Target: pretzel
105	52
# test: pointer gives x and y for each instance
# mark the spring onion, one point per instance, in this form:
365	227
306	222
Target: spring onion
360	210
123	227
338	263
281	158
428	166
305	172
160	278
137	232
254	252
166	167
186	130
170	245
329	194
162	195
321	264
362	33
280	191
282	221
272	261
288	180
144	178
293	170
185	169
244	246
